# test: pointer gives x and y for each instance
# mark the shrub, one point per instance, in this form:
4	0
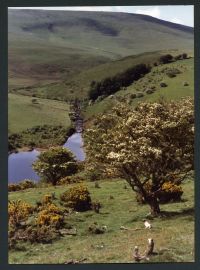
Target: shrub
184	55
94	174
54	164
77	198
13	187
149	91
47	199
169	192
21	186
18	211
50	215
163	84
96	229
167	58
111	85
42	234
25	184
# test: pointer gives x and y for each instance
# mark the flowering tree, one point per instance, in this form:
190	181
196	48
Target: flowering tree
54	164
153	142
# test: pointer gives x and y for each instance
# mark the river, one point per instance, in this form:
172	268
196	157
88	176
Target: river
20	164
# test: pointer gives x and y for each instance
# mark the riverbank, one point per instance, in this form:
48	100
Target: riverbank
39	137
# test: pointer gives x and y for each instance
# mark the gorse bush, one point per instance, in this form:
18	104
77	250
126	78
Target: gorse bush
40	234
35	224
18	211
50	215
77	198
169	192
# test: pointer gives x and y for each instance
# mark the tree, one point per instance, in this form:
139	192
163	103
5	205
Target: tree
153	142
54	164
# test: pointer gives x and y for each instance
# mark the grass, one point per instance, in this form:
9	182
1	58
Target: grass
58	53
174	90
173	235
23	113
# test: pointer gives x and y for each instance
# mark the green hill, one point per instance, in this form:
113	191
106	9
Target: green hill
51	46
136	92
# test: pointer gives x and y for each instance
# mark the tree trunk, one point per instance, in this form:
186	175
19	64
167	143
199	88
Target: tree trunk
154	205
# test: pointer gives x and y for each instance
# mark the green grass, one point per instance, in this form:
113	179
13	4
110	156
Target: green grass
23	114
174	91
173	235
61	60
99	33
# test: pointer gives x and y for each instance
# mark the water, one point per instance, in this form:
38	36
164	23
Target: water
75	145
20	164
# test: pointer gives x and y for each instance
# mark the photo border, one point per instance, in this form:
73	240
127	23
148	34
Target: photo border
4	132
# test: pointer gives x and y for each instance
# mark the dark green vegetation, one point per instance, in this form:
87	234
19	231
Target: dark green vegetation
111	85
119	208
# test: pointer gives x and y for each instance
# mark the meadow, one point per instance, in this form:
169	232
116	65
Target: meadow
173	233
25	113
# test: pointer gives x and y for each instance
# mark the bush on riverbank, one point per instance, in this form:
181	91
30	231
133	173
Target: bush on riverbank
25	184
54	164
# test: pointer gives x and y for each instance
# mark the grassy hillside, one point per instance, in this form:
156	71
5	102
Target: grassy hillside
51	46
114	246
79	84
175	87
99	32
23	113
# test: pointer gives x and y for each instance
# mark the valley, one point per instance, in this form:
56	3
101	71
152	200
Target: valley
100	108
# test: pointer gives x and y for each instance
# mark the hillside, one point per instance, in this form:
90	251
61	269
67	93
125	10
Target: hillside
40	112
46	48
136	92
115	245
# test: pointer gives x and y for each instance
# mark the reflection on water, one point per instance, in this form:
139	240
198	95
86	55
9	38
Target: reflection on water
75	144
20	164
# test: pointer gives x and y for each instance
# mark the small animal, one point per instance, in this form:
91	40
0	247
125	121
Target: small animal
147	224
